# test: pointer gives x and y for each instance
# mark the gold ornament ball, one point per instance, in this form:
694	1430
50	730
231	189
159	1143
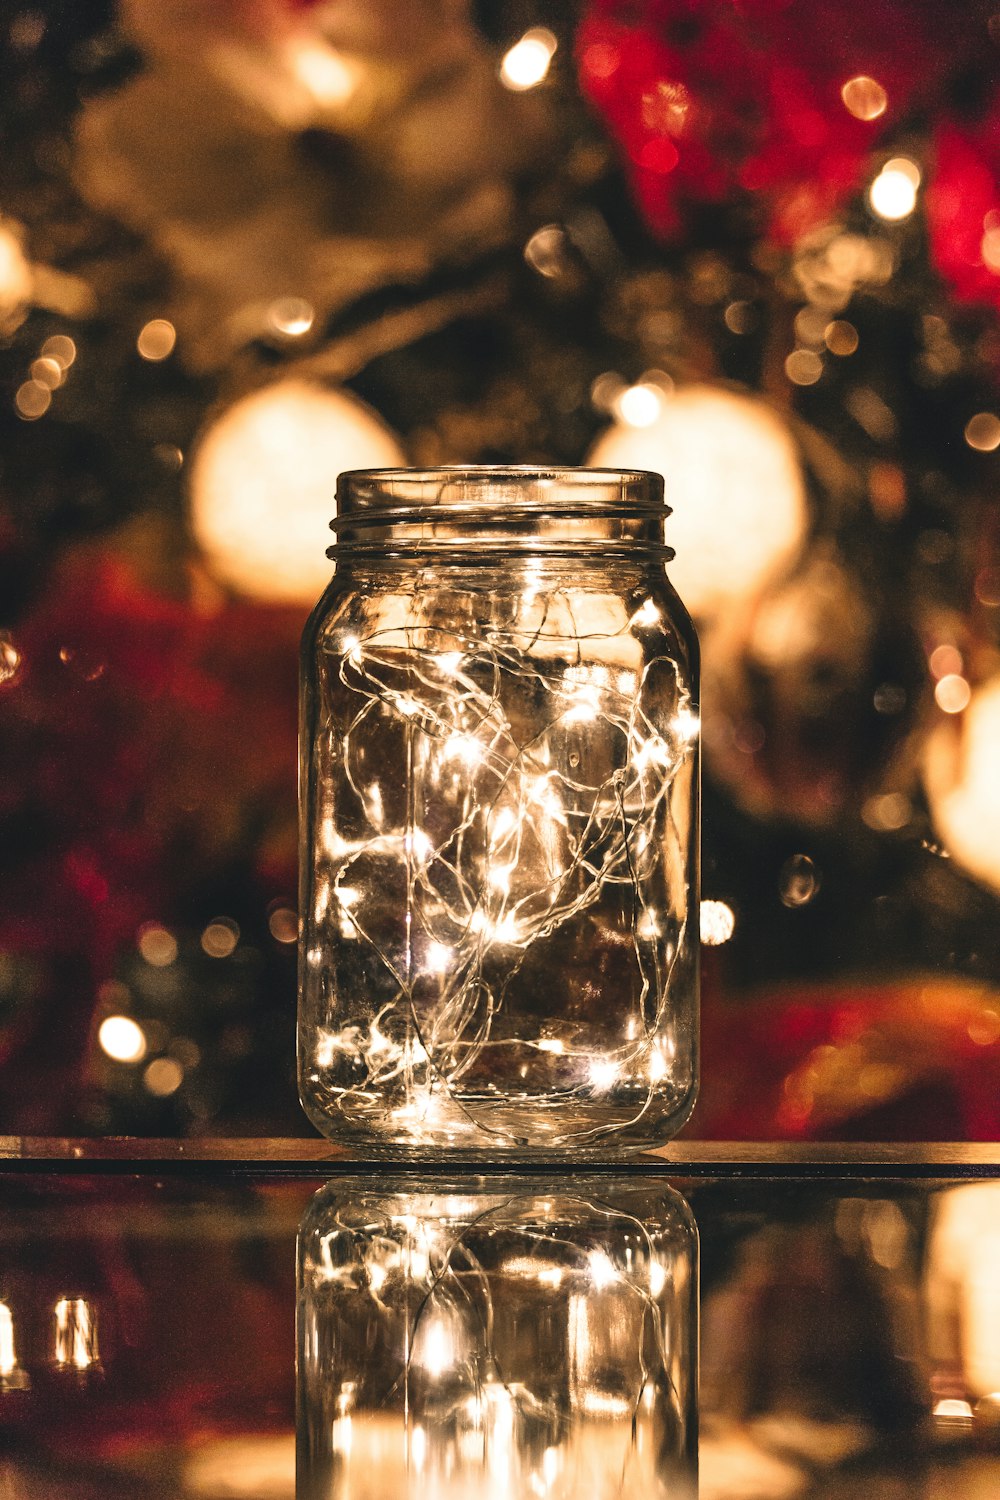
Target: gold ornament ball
262	485
734	481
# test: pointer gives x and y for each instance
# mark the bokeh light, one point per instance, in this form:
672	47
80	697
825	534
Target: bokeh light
527	63
122	1039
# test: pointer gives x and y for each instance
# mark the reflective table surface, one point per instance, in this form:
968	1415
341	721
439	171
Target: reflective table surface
485	1334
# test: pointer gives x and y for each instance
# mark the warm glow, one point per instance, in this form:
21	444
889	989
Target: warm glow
291	316
527	63
220	938
75	1334
157	946
262	485
982	432
963	1290
962	778
8	1354
163	1077
864	98
717	923
60	348
952	693
639	405
32	400
323	71
16	278
156	339
734	480
120	1038
893	194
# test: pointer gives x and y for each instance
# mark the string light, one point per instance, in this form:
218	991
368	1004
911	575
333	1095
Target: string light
717	923
538	845
527	63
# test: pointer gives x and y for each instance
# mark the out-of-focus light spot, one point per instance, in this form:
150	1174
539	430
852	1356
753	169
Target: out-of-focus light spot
952	693
658	155
435	1351
83	662
602	1269
601	60
864	98
10	658
157	946
75	1334
889	698
16	278
283	925
551	1044
328	76
717	922
893	194
163	1077
220	937
156	339
291	316
122	1039
810	325
47	372
740	317
989	248
982	432
32	400
606	389
984	1029
10	1377
987	587
527	63
60	348
262	480
169	455
840	337
603	1073
639	405
798	881
545	251
736	485
953	1410
887	812
803	367
945	660
439	957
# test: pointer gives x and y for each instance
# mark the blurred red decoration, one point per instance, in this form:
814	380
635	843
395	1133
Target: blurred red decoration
710	99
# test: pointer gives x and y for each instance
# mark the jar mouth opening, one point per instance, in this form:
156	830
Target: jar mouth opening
522	507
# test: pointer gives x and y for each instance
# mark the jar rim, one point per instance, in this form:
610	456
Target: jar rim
469	486
463	508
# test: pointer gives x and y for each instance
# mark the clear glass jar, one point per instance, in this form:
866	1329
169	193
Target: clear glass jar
499	814
514	1339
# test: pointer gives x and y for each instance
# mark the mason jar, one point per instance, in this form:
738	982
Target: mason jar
499	783
497	1337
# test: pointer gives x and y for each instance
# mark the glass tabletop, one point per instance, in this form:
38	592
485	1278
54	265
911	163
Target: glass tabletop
487	1333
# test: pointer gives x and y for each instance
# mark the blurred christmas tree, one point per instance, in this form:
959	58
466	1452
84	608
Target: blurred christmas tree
246	245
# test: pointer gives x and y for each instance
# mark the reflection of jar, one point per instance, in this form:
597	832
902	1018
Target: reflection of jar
499	779
515	1341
